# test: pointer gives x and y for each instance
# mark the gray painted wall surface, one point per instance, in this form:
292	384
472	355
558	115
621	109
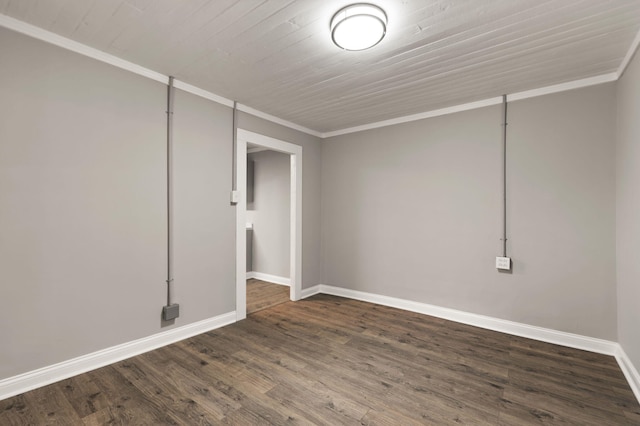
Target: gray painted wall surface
311	164
83	205
628	211
413	211
270	213
82	219
203	218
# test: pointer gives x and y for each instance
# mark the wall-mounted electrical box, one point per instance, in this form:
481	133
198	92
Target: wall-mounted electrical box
503	263
170	312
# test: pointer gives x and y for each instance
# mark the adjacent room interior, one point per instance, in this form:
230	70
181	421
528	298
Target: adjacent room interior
268	228
226	212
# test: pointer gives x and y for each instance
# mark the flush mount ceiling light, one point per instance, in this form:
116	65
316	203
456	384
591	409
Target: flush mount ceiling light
358	26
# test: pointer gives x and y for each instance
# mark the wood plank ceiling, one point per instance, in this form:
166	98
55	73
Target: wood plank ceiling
276	56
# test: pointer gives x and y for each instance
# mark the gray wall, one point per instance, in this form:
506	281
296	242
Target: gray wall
413	211
311	165
628	211
203	219
82	210
270	213
82	205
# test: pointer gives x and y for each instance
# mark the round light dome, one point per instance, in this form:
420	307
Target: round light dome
358	26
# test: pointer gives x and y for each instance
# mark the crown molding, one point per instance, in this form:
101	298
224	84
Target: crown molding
563	87
55	39
629	56
277	120
415	117
202	93
82	49
556	88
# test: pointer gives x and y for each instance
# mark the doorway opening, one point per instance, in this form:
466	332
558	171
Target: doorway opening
245	138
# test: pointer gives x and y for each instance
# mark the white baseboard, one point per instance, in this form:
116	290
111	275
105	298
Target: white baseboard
273	279
518	329
34	379
308	292
630	371
561	338
44	376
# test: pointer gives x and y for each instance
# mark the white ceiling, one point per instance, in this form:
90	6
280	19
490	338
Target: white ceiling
277	56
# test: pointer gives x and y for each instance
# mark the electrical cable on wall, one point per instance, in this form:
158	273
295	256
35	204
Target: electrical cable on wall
504	262
504	176
170	311
234	155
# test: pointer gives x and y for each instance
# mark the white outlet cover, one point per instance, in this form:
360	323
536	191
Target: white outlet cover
503	263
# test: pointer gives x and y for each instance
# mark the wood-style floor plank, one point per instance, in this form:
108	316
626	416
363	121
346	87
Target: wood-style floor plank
262	295
329	360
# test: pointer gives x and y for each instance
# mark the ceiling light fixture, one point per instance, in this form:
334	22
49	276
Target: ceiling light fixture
358	26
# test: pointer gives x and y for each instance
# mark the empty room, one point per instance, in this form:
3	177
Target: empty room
277	212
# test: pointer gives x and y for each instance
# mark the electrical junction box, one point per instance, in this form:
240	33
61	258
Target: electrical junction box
170	312
503	263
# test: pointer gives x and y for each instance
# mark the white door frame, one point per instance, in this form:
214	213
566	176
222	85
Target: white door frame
295	250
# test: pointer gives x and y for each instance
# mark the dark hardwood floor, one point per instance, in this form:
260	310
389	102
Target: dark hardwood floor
333	361
262	295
